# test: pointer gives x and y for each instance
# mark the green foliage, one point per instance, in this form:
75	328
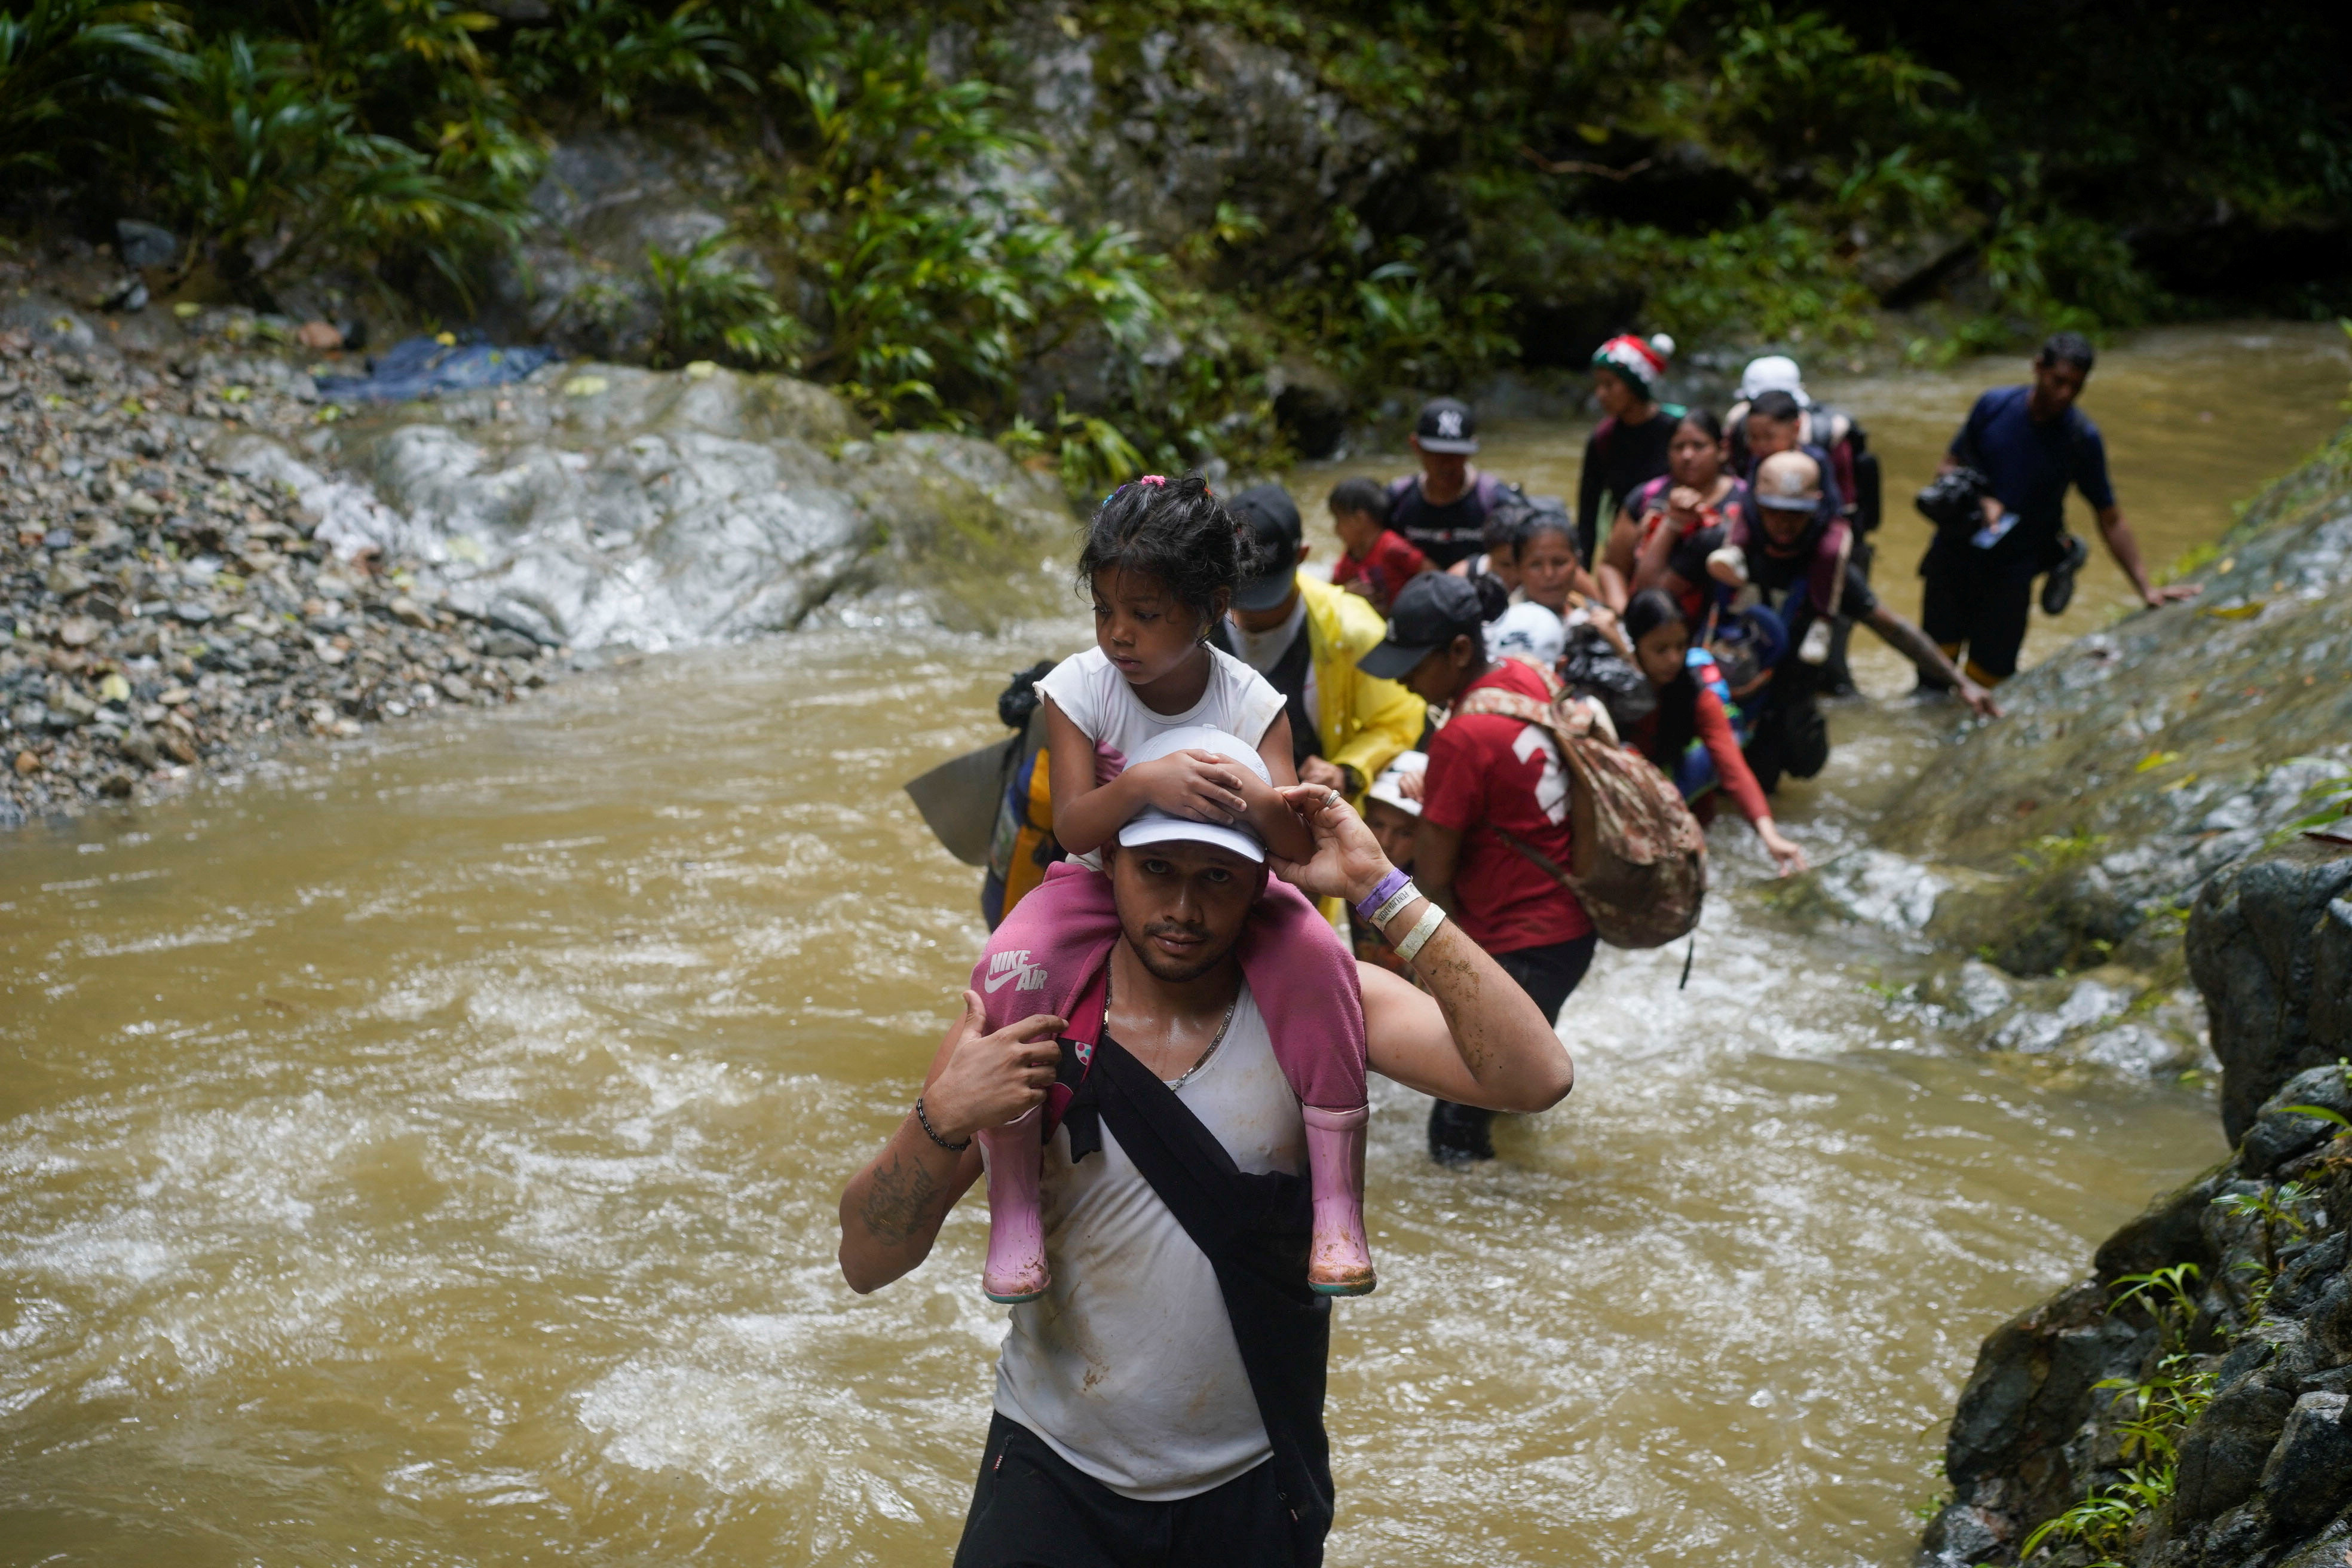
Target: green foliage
2103	1522
274	168
945	284
69	67
711	306
1723	169
2169	1294
615	53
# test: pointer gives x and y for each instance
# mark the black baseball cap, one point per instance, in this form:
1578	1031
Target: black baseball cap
1272	517
1430	612
1446	424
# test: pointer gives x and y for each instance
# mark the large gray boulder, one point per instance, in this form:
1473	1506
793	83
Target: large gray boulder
598	504
2269	945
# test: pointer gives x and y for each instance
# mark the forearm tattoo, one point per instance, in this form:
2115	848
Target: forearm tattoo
899	1202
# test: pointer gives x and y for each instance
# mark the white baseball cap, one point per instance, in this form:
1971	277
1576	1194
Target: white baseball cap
1773	373
1527	631
1389	788
1153	825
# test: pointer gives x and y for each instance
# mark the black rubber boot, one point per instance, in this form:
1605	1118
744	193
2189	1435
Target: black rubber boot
1460	1133
2058	588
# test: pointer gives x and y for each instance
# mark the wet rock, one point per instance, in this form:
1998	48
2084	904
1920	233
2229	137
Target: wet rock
145	244
2309	1473
1963	1536
2171	1230
2031	1390
2222	1460
663	509
2270	944
2279	1133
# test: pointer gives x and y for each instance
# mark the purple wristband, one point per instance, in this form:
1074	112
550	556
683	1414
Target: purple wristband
1383	893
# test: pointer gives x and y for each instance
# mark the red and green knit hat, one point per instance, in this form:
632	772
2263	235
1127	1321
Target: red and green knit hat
1641	364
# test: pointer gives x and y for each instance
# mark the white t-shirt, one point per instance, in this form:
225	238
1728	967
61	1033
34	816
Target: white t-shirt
1127	1366
1092	695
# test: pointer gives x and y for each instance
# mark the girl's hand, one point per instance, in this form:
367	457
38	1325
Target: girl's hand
1784	850
1198	784
1683	502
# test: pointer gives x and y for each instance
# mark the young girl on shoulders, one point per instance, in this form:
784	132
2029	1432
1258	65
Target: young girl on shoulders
1161	560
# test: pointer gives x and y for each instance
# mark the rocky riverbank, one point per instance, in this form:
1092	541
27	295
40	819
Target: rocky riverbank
169	613
2184	1406
202	558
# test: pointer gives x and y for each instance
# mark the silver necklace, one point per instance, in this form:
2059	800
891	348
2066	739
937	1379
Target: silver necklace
1194	1071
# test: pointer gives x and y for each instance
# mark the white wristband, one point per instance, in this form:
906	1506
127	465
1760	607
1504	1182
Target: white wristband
1422	930
1396	905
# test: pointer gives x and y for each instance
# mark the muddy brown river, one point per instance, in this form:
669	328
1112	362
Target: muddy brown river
425	1151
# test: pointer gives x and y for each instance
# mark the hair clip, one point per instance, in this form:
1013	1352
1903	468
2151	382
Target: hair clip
1152	479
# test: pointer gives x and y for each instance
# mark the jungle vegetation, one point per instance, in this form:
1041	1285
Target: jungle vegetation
1732	171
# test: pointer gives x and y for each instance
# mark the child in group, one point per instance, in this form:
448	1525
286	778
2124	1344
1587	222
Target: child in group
1161	559
1375	561
1394	816
1692	734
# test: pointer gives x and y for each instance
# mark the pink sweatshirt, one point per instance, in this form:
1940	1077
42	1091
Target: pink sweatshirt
1051	956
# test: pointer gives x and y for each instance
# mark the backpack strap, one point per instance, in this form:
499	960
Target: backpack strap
1541	861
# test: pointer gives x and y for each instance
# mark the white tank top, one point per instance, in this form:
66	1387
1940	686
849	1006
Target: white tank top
1127	1366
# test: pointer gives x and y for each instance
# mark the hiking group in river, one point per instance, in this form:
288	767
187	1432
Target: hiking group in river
1271	834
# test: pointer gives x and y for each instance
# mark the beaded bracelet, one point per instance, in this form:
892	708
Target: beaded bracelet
1381	893
932	1132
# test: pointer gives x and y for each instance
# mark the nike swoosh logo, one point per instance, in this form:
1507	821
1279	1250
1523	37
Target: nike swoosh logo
996	982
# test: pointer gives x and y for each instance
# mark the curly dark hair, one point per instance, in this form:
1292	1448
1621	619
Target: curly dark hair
1173	530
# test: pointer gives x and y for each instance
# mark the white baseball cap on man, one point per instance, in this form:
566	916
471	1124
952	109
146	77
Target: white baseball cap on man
1153	825
1772	373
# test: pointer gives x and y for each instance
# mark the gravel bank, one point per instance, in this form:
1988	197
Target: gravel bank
162	614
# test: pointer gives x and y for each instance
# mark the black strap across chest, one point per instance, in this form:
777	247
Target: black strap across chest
1254	1230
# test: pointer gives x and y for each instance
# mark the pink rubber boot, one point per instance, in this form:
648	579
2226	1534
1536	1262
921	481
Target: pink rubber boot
1339	1261
1016	1270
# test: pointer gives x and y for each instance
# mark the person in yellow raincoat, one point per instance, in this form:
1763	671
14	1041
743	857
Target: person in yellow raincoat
1305	636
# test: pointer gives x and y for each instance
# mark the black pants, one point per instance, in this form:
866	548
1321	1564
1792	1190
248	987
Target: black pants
1837	675
1548	975
1033	1508
1976	598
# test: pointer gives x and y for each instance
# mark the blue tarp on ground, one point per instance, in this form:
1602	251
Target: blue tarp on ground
424	367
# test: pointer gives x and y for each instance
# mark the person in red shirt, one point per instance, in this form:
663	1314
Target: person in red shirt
1375	561
1690	716
1490	780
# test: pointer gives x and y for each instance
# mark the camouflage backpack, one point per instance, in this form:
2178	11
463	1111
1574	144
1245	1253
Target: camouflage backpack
1640	858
